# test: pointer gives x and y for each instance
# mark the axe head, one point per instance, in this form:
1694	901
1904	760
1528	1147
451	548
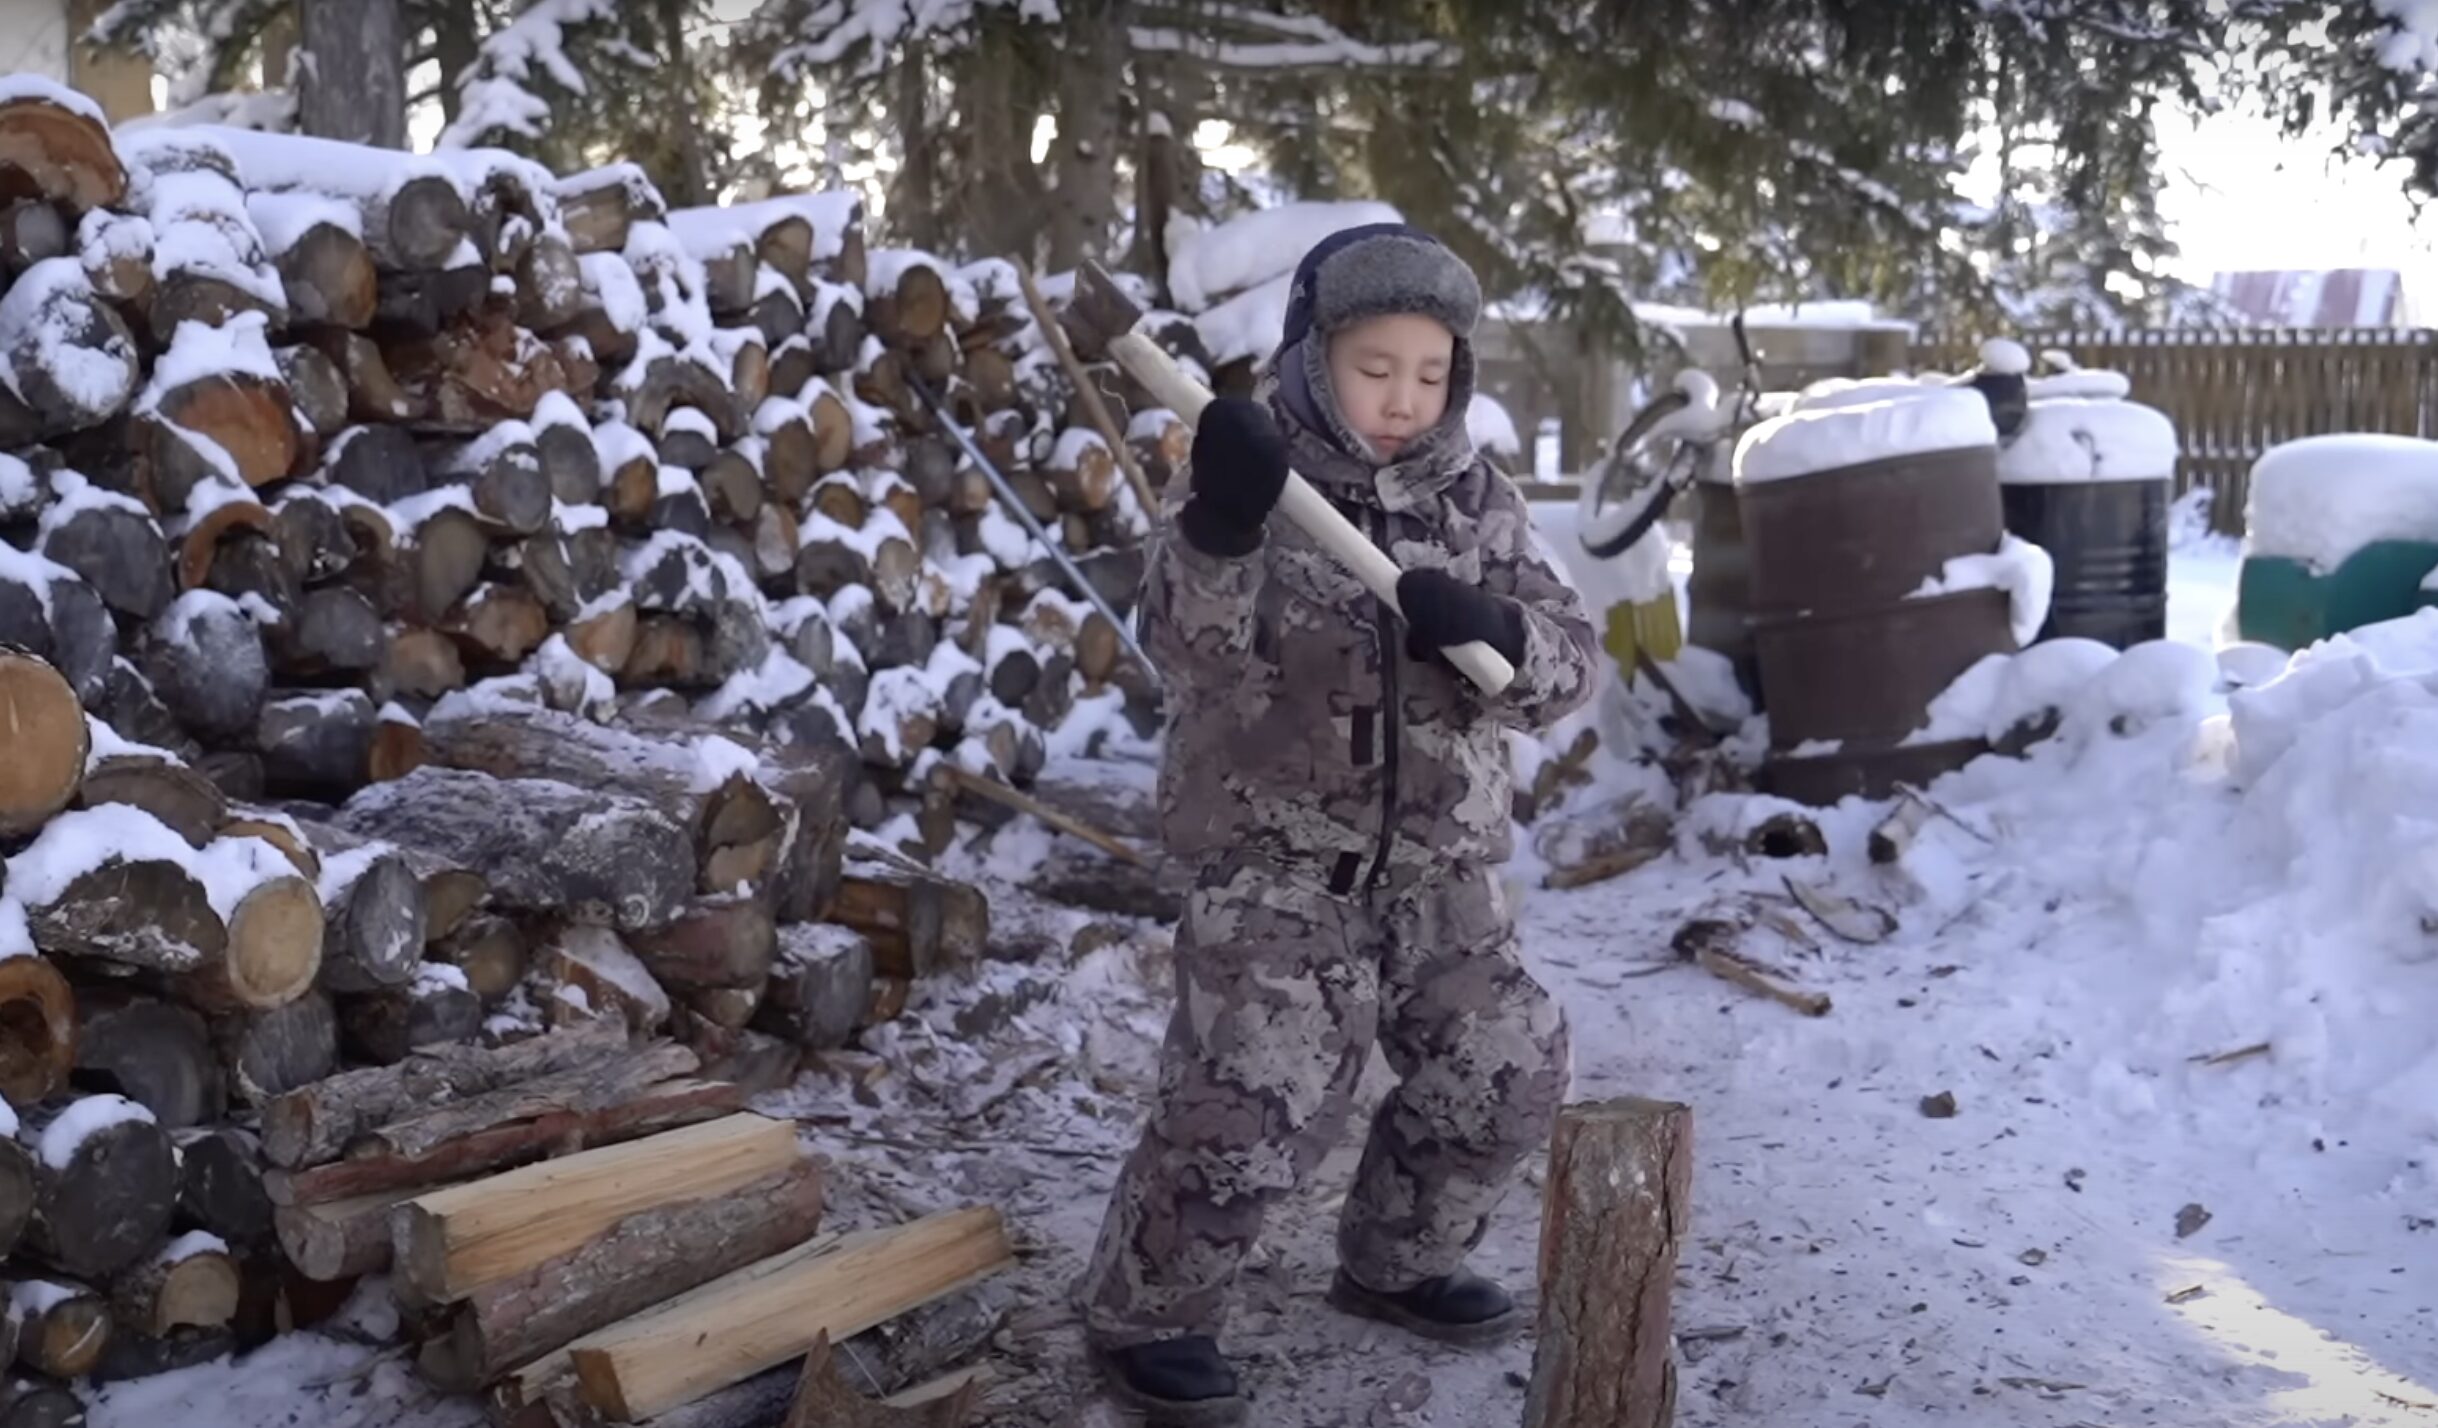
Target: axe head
1098	312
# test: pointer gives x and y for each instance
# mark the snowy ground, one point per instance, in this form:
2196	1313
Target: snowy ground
2113	1228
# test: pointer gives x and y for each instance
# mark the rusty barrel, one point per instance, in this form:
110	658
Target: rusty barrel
1718	595
1840	541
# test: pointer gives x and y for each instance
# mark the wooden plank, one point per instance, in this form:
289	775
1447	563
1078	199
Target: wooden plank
764	1315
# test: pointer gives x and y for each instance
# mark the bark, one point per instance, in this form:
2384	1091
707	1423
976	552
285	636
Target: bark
354	84
220	1185
271	1053
155	1053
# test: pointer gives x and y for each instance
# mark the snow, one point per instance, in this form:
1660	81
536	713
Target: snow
2320	499
768	685
617	443
79	841
15	88
2018	567
688	420
2093	384
103	742
2081	439
341	870
1248	325
32	1298
82	1120
433	977
20	489
569	681
280	162
2005	356
557	409
190	1244
1243	252
43	311
1073	444
1491	428
177	623
1802	443
72	495
708	231
614	290
880	525
16	938
492	90
886	266
411	512
241	346
570	519
283	219
717	760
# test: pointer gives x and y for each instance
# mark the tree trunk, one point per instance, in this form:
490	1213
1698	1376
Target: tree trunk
66	1327
916	192
354	84
1085	154
1618	1203
190	1283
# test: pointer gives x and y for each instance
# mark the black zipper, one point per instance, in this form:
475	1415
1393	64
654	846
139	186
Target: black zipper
1392	723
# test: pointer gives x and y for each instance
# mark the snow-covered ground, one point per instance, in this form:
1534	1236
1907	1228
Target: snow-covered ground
2176	972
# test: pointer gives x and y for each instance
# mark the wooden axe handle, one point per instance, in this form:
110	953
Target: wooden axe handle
1144	361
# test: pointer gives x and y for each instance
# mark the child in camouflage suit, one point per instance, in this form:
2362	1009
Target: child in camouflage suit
1344	793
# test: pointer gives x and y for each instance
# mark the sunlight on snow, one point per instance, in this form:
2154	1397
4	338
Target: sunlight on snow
2334	1377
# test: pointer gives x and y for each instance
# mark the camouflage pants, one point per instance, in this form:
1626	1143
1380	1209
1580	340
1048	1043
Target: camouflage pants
1281	989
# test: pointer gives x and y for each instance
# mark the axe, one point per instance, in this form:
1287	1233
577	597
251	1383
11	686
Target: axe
1103	319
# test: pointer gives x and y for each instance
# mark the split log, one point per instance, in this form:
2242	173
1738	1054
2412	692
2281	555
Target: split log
446	557
1618	1203
105	1185
327	275
723	942
62	1329
571	463
380	463
491	953
919	925
820	986
57	153
315	745
421	304
766	1314
824	1399
248	563
206	662
497	626
590	973
397	749
220	1185
503	472
154	1053
1604	842
200	537
1894	835
549	284
191	1283
385	1025
617	1100
545	846
451	1243
374	393
598	206
315	1123
270	1053
643	1259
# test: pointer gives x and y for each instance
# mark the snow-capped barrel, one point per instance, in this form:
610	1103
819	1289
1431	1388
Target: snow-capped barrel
2341	532
1880	571
2087	479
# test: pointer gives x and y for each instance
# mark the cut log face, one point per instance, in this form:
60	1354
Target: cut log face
491	952
328	277
380	463
452	1243
342	1240
48	744
58	154
722	943
450	551
153	1052
63	1329
71	359
38	1030
336	631
641	1260
919	925
317	386
206	661
498	625
120	553
106	1183
191	1283
758	1317
247	416
272	1052
220	1187
820	987
145	913
183	800
315	745
374	921
592	974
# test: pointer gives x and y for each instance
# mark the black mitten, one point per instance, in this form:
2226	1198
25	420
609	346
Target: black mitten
1441	611
1240	466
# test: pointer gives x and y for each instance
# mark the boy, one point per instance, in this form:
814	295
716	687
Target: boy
1345	794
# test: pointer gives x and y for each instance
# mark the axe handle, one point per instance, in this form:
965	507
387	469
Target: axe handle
1168	384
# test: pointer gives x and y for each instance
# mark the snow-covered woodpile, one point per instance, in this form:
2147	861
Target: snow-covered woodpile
448	612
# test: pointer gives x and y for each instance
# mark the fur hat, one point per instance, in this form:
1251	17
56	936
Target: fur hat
1377	269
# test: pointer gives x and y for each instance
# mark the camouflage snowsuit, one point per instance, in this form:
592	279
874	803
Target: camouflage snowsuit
1347	806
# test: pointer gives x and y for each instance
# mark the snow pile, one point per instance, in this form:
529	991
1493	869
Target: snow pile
1206	264
2018	567
45	317
1492	429
16	934
1831	392
2093	384
2085	439
15	87
1247	325
2321	499
1802	443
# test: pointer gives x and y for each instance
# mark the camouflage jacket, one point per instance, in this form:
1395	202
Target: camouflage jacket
1300	730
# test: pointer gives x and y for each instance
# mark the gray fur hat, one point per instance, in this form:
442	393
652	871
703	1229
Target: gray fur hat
1377	269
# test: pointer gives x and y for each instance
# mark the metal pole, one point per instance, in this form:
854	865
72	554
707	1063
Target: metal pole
1015	505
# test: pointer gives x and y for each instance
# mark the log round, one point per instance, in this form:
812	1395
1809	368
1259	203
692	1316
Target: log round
48	743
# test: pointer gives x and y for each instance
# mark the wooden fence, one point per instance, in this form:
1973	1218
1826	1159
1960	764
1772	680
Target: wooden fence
2235	392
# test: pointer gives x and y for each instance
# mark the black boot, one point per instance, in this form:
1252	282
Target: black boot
1459	1308
1175	1383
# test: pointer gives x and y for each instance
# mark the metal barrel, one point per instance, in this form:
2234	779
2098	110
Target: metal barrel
2108	540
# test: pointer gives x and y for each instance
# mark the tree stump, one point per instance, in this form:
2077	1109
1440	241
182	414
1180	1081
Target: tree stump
1618	1203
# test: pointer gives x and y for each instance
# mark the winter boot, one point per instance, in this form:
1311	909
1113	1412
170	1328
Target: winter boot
1460	1308
1175	1383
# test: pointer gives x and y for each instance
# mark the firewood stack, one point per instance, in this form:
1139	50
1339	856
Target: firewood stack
445	609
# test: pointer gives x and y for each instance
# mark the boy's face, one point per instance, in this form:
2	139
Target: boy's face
1391	376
